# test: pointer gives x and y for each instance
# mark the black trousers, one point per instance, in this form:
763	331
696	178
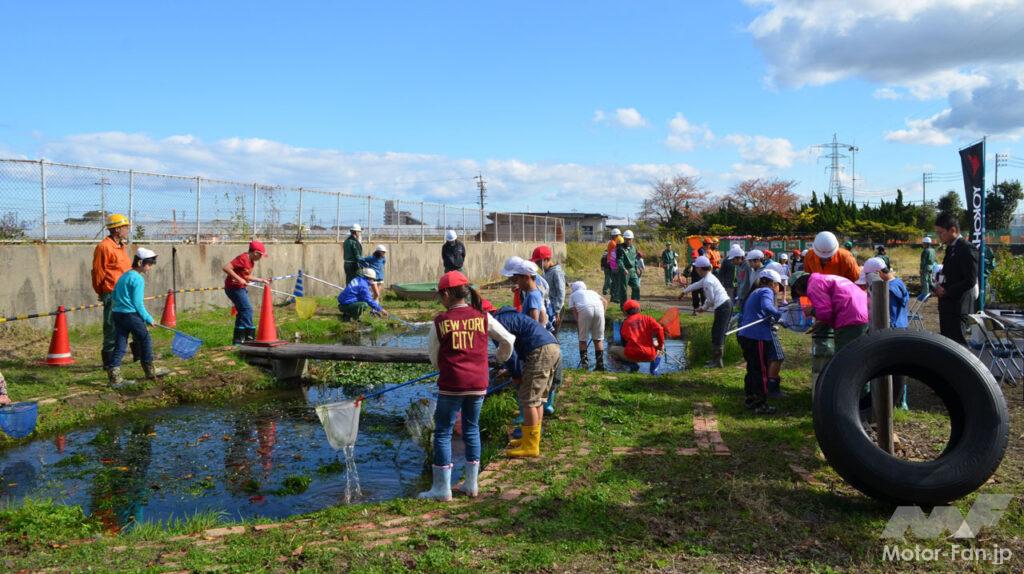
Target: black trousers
951	326
698	295
755	383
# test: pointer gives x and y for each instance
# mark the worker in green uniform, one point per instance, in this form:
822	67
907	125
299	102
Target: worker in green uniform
626	258
353	252
928	261
669	260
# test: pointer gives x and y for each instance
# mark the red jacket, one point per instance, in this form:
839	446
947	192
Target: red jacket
639	332
462	354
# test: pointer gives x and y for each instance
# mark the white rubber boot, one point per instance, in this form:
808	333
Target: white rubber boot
442	489
469	485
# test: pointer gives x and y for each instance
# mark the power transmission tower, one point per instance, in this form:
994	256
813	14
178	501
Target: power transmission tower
482	186
834	155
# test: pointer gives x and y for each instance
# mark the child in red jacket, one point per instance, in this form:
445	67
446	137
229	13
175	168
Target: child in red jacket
644	339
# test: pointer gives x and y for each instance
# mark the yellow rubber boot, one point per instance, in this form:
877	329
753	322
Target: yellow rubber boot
529	447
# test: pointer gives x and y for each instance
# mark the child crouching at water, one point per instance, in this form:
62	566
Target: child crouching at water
759	343
458	349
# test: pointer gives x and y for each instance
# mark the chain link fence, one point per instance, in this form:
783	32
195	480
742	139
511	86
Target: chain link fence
58	202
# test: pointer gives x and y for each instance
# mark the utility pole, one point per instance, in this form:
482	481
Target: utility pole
923	183
482	186
853	173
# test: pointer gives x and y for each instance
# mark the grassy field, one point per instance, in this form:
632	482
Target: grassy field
632	479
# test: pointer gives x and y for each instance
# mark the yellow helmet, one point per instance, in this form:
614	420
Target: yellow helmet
115	220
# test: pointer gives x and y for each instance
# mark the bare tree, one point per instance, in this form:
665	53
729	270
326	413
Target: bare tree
670	199
765	196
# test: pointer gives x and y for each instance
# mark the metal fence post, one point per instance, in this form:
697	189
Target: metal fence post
131	200
881	388
510	228
444	217
369	217
298	223
397	213
42	190
255	195
464	224
199	187
496	218
337	219
423	229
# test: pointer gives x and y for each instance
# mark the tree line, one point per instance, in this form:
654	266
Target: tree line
680	206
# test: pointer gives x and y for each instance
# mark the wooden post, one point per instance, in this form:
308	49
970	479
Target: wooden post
881	388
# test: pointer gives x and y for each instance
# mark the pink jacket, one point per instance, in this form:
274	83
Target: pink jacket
837	301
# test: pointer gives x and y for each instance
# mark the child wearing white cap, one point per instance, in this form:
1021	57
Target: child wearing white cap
746	275
131	318
730	266
588	308
717	299
760	344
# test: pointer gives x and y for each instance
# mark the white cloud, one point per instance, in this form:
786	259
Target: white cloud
763	150
916	49
684	136
416	177
628	118
920	132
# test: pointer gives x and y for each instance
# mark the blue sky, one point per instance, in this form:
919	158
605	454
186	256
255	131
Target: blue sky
561	105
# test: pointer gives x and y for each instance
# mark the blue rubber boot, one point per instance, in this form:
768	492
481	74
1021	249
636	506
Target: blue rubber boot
633	367
519	419
655	364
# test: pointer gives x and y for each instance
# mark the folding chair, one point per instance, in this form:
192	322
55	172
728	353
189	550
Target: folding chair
916	322
1005	348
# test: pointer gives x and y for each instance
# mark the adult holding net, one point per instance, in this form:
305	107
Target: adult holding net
238	273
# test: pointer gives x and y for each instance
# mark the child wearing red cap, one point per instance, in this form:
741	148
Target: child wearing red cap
239	274
458	349
644	339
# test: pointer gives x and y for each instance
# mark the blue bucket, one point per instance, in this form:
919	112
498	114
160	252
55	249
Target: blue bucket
18	420
185	346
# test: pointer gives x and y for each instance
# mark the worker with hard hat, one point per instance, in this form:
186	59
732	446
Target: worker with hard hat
611	277
716	299
110	260
711	252
928	261
132	318
828	258
453	252
352	250
238	275
626	259
376	261
669	261
357	297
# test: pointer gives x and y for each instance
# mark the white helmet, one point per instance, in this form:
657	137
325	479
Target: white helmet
381	248
825	244
734	251
628	234
783	257
356	227
368	273
615	231
450	235
702	262
927	241
770	274
754	254
578	286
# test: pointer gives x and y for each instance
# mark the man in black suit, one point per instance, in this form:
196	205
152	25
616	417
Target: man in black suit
955	288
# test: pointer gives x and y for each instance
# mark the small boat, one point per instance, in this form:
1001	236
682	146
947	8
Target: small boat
416	291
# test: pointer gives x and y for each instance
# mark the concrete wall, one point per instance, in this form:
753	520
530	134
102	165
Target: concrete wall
38	278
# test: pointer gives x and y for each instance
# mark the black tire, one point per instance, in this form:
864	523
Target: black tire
977	411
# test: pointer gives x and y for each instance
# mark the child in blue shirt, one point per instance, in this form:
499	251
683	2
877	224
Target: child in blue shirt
760	345
131	318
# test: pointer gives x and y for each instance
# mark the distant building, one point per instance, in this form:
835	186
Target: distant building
576	226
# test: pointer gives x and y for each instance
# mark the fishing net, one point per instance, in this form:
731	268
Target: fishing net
796	320
305	307
185	346
341	423
419	421
670	321
19	419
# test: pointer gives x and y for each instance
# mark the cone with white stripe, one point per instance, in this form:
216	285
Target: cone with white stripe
60	350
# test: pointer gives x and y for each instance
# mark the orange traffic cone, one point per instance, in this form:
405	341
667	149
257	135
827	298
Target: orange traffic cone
169	319
60	351
266	333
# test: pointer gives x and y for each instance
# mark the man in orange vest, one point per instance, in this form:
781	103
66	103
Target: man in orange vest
828	258
711	251
109	261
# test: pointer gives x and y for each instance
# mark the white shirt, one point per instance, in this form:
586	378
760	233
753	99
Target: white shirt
586	298
714	294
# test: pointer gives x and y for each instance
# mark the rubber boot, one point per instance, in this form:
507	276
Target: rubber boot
716	358
152	373
655	364
239	336
250	335
599	360
116	380
584	360
530	445
442	488
631	366
775	389
549	406
519	419
469	485
106	360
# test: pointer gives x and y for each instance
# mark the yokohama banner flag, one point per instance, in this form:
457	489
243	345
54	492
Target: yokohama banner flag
973	161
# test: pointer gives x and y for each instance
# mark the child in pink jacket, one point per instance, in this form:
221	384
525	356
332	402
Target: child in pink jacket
838	303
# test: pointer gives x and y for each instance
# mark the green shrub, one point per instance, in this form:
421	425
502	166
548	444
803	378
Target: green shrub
40	521
698	345
1008	280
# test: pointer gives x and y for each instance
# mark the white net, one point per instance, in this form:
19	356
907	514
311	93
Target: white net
340	422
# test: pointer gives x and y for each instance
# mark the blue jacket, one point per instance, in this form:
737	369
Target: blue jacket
529	335
358	290
899	299
375	263
760	304
129	293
